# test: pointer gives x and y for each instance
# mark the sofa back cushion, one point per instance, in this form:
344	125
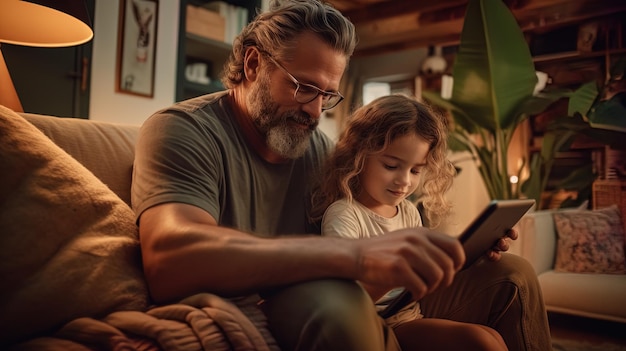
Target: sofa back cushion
106	149
69	246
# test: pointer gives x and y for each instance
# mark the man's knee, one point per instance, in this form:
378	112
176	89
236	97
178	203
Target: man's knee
324	315
517	271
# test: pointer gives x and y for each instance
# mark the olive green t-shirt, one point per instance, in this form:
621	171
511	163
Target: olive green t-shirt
194	153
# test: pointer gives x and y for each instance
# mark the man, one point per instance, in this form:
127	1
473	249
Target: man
221	188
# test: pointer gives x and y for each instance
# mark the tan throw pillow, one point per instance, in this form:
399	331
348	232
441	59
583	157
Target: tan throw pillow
68	245
590	241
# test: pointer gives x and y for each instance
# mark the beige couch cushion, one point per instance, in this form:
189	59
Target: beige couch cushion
111	147
590	295
68	245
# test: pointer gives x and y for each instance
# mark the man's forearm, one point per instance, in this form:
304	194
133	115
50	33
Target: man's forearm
228	262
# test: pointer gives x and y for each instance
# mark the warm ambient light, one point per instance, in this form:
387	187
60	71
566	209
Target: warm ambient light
29	24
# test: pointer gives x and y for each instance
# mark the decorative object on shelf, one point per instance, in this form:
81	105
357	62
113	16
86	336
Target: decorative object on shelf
446	86
542	81
587	34
435	63
30	24
196	71
137	46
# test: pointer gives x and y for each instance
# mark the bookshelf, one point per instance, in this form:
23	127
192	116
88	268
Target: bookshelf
203	51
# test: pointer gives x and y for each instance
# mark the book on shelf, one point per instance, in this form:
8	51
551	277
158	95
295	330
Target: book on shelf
205	23
235	18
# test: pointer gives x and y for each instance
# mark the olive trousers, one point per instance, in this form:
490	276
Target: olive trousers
335	314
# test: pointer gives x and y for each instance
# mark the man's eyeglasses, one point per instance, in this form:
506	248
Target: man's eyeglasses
306	93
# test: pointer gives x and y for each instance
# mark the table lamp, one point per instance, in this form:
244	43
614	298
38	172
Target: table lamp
30	24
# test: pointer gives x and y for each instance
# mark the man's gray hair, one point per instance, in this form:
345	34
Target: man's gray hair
275	31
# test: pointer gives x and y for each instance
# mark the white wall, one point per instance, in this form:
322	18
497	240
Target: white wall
468	195
108	105
390	67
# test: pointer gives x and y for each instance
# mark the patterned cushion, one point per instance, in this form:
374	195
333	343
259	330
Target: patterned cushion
590	241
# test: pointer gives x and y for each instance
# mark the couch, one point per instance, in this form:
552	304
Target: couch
566	290
70	260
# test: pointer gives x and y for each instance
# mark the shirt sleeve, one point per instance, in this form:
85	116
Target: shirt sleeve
341	220
175	162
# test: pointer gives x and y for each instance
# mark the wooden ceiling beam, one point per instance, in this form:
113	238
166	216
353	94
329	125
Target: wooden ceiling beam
389	9
400	28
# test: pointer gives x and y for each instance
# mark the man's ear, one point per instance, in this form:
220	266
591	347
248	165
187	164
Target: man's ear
251	63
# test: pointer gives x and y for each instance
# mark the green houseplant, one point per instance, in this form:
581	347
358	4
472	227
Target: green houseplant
594	111
494	79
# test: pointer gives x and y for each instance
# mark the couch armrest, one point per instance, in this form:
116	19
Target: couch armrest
537	240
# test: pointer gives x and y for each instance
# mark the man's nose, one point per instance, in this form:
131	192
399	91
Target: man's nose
314	107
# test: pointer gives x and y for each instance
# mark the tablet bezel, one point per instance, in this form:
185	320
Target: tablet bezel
492	224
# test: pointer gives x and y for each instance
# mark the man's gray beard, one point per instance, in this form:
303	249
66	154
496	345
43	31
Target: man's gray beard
288	142
281	138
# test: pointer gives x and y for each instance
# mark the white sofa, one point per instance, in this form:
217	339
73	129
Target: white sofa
601	296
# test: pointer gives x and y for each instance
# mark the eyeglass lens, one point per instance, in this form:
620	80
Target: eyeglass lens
305	94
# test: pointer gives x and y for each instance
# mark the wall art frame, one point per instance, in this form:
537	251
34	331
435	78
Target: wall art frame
136	53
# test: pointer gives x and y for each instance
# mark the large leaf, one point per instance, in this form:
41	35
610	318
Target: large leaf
535	104
461	118
494	79
582	99
493	70
541	163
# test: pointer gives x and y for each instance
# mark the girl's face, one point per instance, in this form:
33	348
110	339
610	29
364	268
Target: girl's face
390	176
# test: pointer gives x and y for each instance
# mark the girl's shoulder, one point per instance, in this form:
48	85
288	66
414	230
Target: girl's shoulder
341	206
411	212
343	219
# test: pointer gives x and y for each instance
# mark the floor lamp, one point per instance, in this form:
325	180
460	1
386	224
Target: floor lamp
30	24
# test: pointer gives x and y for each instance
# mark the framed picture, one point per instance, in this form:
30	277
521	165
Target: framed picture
136	52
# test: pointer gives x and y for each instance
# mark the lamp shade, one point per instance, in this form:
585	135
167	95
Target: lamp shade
29	24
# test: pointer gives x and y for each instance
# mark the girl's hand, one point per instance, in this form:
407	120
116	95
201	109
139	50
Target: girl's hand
495	254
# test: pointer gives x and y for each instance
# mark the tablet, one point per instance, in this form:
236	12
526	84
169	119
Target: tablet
481	235
396	304
492	224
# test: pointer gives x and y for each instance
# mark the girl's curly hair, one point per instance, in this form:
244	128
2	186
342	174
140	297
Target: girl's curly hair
370	130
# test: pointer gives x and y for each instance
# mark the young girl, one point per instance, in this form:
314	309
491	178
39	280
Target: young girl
389	149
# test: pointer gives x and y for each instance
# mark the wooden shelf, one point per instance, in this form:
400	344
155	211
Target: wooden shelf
576	55
201	47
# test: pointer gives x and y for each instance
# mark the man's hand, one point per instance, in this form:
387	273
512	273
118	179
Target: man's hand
495	254
416	258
